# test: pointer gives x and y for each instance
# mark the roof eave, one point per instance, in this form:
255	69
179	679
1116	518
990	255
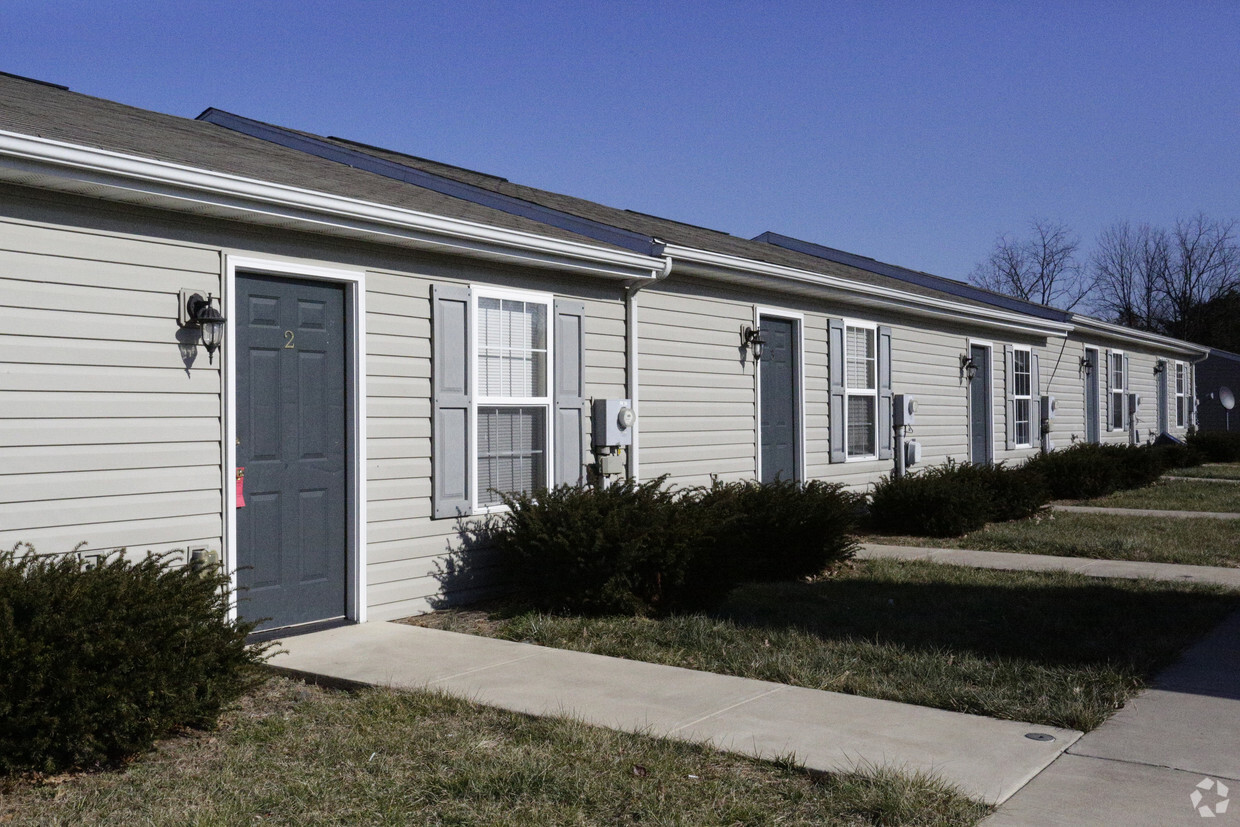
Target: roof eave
59	166
710	264
1088	324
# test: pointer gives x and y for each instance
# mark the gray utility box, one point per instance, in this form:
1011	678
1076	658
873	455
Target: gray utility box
903	410
613	422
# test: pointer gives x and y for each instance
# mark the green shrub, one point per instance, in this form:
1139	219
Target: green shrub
1015	493
776	531
1217	446
627	548
1173	455
95	664
1083	471
954	499
643	549
944	501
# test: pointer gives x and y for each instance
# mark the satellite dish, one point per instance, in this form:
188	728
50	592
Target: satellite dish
1226	397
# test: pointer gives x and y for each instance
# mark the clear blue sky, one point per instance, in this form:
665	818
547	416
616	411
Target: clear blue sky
911	132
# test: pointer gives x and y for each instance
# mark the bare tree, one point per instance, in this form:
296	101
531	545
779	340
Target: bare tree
1128	266
1042	268
1167	281
1204	266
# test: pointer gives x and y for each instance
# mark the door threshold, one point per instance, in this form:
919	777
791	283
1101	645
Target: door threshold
279	632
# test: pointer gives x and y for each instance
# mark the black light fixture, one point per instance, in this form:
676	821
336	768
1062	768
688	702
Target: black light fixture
203	314
751	337
1159	367
1086	365
968	367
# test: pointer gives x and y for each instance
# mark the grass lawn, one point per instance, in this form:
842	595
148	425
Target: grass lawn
295	755
1203	542
1174	495
1045	647
1219	471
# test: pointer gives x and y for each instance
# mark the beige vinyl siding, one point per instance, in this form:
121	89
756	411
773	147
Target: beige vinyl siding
1063	379
106	438
697	398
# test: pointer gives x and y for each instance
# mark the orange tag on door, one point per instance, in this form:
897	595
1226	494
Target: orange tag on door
241	487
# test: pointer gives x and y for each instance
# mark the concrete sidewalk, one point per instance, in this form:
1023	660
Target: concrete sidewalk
986	758
1149	512
1142	766
1014	561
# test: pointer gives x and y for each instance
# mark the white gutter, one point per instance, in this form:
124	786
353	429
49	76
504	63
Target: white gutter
631	344
709	263
31	161
1086	323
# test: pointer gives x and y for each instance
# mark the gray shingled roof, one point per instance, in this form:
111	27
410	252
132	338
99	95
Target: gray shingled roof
32	108
667	230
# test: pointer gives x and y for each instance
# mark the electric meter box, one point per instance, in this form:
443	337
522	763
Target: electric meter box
613	422
903	410
912	452
1134	402
1048	407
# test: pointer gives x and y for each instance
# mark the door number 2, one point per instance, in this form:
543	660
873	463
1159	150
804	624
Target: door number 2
288	340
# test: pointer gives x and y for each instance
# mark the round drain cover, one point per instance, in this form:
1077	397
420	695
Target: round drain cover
1039	736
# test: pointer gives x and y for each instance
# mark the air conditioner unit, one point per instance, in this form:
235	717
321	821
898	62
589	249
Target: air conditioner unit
904	406
1049	404
912	453
1134	402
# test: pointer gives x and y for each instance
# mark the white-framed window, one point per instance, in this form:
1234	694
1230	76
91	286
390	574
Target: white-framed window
1181	395
1118	386
512	405
861	390
1022	396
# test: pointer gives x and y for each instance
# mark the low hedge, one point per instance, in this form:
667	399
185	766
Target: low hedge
1088	470
782	530
1217	446
95	664
643	548
954	499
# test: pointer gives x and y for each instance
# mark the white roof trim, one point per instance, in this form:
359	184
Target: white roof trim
39	162
1084	324
874	295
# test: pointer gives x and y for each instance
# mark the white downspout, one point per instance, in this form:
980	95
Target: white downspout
630	369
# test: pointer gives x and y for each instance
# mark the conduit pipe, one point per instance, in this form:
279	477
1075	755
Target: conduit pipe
631	290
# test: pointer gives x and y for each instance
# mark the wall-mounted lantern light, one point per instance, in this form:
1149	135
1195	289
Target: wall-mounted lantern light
751	337
1086	366
1159	367
203	314
968	367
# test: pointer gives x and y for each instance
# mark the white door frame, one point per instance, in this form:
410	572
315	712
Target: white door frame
354	283
990	398
798	320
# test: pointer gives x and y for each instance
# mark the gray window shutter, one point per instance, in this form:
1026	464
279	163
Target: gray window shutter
884	393
1009	387
569	392
451	351
835	357
1190	388
1127	393
1035	399
1164	414
1110	386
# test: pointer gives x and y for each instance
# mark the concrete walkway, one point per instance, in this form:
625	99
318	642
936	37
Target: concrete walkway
1014	561
1149	512
987	758
1201	479
1143	765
